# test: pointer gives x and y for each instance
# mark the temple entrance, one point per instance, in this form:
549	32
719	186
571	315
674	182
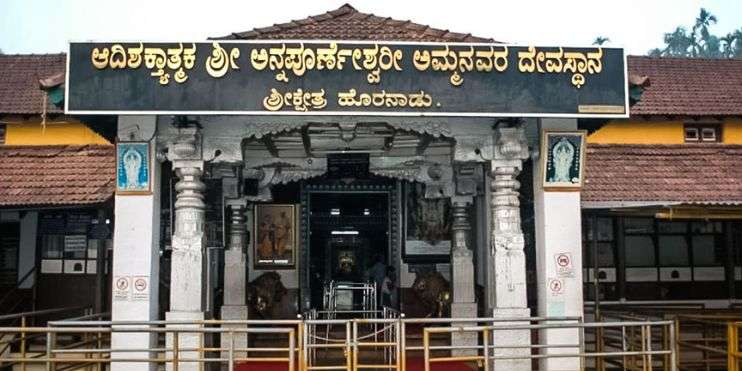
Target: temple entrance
348	233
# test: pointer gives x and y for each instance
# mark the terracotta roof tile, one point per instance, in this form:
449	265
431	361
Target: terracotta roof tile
347	23
56	175
684	173
688	87
19	81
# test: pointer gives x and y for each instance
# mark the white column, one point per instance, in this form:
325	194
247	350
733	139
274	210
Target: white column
187	281
235	275
558	235
187	264
136	253
507	248
462	273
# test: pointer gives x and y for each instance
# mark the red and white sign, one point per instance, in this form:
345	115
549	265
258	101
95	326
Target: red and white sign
121	288
564	266
140	288
556	286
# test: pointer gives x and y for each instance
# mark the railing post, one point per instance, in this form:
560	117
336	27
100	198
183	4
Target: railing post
23	342
732	346
50	366
348	349
175	350
426	349
673	347
677	341
581	339
231	351
649	347
486	350
292	349
403	343
355	344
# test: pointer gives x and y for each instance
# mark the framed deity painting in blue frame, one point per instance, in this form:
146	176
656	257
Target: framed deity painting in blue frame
132	168
562	159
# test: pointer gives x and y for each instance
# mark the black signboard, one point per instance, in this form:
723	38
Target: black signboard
345	78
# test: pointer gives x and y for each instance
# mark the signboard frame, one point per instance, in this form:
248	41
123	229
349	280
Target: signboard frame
369	112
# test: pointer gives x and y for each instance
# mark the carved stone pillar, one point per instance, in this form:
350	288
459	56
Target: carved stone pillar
462	273
507	246
188	242
235	275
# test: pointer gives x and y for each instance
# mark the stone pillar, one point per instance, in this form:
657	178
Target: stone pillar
187	263
136	253
462	274
510	298
558	235
235	275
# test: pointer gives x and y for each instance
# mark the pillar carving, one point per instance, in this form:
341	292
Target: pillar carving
510	300
188	242
462	272
235	276
186	281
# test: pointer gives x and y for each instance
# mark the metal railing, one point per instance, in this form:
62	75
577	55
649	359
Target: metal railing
702	336
383	342
486	351
20	341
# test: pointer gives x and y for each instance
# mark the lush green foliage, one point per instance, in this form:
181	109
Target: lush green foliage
699	42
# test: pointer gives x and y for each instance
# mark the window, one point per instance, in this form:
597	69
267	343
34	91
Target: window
640	251
69	241
3	128
651	243
696	133
605	242
708	244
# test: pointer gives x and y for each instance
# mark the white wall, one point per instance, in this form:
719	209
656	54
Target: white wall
136	252
558	231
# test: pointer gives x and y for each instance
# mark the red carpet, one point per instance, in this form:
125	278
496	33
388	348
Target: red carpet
413	364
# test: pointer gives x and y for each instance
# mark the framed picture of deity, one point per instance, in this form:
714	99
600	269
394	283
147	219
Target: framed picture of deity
275	236
132	168
427	224
562	159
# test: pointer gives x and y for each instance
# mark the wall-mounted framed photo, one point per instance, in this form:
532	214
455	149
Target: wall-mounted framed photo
562	159
132	168
427	226
275	236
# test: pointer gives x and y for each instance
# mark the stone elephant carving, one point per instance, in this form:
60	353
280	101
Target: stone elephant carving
264	292
434	292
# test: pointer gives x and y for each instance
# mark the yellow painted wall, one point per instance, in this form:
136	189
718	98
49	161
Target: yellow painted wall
732	131
657	132
32	133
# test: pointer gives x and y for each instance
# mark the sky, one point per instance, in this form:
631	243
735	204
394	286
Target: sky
46	26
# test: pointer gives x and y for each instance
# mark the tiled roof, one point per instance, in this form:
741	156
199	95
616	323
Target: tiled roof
347	23
684	173
688	87
19	81
56	175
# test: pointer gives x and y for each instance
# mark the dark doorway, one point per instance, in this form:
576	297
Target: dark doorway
9	243
348	231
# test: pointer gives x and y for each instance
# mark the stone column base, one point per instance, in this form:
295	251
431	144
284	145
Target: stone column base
185	340
234	313
464	310
512	338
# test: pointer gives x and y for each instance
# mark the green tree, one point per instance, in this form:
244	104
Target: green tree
701	36
699	42
728	46
600	40
677	43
